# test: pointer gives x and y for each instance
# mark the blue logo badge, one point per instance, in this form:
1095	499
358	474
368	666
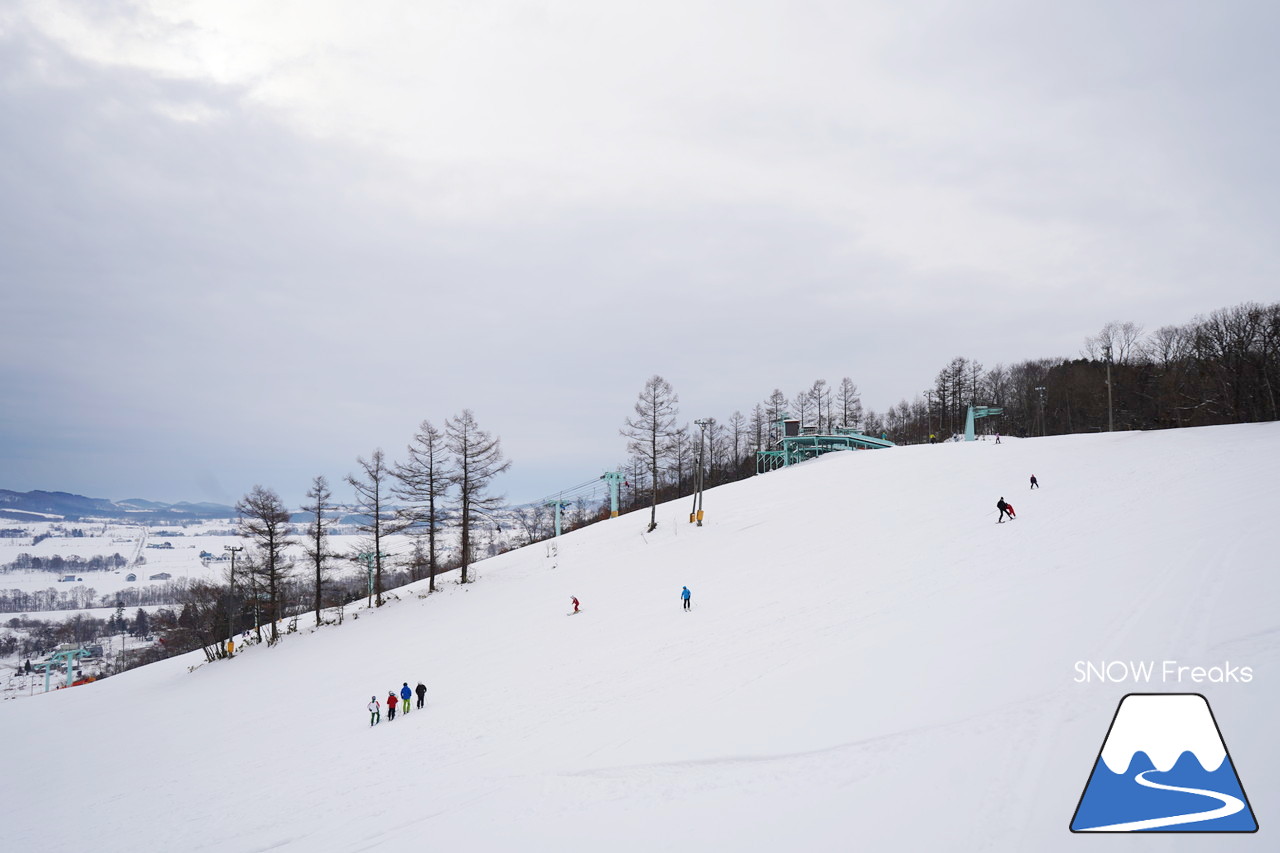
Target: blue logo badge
1164	768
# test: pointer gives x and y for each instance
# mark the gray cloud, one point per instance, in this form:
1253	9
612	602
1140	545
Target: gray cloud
209	285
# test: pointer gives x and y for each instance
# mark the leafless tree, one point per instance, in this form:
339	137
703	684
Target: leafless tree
422	483
373	495
850	402
317	535
264	520
802	406
775	407
1124	340
820	397
682	453
650	431
477	459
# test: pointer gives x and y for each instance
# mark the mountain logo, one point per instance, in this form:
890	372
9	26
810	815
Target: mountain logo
1163	768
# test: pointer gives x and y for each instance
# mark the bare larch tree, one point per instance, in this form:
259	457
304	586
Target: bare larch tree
317	535
422	483
650	432
373	496
477	459
264	520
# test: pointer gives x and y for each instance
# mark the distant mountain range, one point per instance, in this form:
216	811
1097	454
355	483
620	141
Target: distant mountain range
64	506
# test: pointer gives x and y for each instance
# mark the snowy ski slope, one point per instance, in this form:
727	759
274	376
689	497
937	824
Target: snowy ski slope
871	664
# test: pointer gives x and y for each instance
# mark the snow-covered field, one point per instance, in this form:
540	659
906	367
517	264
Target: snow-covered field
182	561
871	664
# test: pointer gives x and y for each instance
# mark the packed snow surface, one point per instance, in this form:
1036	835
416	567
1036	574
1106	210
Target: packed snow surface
871	663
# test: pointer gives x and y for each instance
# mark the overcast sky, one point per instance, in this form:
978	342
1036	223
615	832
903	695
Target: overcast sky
245	242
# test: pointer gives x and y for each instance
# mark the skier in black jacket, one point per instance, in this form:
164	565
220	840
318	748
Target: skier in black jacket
422	693
1002	506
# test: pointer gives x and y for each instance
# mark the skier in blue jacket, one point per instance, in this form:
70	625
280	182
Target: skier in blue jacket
685	596
406	693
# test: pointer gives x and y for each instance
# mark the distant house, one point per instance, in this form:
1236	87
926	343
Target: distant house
163	576
162	545
67	579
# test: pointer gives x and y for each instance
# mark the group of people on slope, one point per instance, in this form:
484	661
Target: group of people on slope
1006	508
406	694
685	597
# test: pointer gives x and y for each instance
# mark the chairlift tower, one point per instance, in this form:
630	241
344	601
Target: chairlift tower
614	479
976	412
369	557
559	505
68	659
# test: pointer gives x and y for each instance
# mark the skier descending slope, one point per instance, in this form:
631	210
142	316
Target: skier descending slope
685	595
1004	510
574	599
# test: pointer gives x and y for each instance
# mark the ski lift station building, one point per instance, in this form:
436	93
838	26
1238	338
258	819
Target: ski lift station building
796	443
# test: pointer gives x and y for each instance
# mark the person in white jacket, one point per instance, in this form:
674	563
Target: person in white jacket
375	711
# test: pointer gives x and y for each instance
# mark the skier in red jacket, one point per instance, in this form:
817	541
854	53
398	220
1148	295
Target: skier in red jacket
574	598
392	701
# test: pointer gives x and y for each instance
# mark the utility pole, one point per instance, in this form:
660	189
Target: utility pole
928	413
1110	423
703	423
231	595
1040	391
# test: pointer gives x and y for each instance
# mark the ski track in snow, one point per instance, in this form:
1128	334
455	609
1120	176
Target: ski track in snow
1230	805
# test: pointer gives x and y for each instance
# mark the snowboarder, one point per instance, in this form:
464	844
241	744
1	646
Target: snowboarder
685	595
1004	508
574	599
997	438
392	701
1035	484
422	694
375	711
406	693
